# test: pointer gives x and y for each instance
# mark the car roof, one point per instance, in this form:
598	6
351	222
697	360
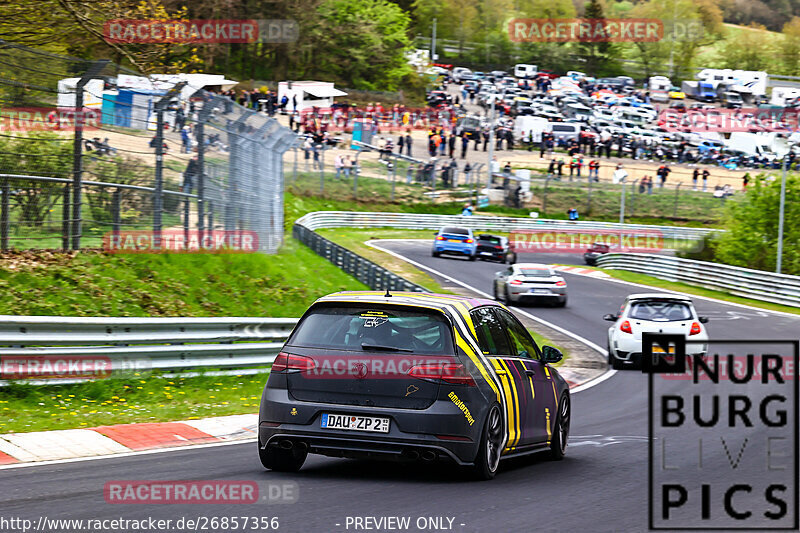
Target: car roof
658	296
451	303
534	266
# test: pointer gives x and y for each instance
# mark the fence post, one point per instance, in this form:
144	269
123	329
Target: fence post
633	194
544	196
321	169
294	170
77	150
202	116
211	216
394	168
589	198
116	217
677	189
4	214
158	194
65	221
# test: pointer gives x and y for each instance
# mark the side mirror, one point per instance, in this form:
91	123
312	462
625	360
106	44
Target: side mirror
703	319
551	355
436	233
610	317
499	273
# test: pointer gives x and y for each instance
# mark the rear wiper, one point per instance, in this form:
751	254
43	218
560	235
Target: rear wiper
365	346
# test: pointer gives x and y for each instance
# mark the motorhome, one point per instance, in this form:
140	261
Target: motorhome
521	70
745	82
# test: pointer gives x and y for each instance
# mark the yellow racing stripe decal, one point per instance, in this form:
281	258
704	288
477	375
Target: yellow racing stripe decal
464	308
514	399
467	349
547	423
504	380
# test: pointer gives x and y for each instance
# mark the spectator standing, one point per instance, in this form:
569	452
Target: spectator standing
551	169
560	165
451	145
190	174
706	174
695	176
464	145
338	164
409	142
745	181
401	141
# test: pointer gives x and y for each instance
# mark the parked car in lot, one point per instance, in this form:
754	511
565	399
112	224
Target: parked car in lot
495	248
530	283
412	377
455	241
595	250
653	313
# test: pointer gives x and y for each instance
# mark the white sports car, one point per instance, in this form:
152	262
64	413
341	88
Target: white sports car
653	313
530	282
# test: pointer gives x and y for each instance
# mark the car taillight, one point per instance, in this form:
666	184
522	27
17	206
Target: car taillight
498	247
440	238
515	282
286	361
695	328
454	373
626	327
561	283
468	241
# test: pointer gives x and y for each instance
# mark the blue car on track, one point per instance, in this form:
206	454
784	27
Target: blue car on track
455	241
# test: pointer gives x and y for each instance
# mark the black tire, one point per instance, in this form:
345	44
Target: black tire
473	257
562	303
506	296
435	254
513	259
281	460
494	292
488	458
616	363
558	444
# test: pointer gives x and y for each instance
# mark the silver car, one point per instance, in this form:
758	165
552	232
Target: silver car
529	283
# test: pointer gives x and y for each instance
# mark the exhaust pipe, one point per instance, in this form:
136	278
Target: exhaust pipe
428	455
286	444
302	445
412	454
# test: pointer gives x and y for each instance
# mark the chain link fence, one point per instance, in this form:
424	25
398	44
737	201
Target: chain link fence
91	152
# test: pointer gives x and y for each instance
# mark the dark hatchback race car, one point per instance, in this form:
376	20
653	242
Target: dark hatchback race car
595	250
412	376
495	248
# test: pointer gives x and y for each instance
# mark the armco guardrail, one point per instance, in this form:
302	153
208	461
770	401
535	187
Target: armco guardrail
746	282
338	219
371	274
140	344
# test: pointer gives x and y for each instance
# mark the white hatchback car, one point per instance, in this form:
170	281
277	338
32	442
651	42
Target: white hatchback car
528	283
653	313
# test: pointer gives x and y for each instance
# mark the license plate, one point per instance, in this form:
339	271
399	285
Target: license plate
659	349
486	253
454	240
355	423
540	291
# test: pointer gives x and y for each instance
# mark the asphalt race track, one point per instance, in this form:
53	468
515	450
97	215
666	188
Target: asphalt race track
600	486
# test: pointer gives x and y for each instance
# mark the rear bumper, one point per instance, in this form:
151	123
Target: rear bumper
412	432
522	295
630	350
452	248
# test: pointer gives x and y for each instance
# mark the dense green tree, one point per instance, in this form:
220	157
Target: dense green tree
752	224
751	49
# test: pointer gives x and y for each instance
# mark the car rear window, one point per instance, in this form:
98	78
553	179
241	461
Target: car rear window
664	311
456	231
365	327
489	239
540	272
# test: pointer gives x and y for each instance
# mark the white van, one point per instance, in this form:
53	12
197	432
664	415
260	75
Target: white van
659	83
525	124
521	70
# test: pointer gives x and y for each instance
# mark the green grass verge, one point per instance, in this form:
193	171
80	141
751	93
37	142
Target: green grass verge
98	284
26	408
